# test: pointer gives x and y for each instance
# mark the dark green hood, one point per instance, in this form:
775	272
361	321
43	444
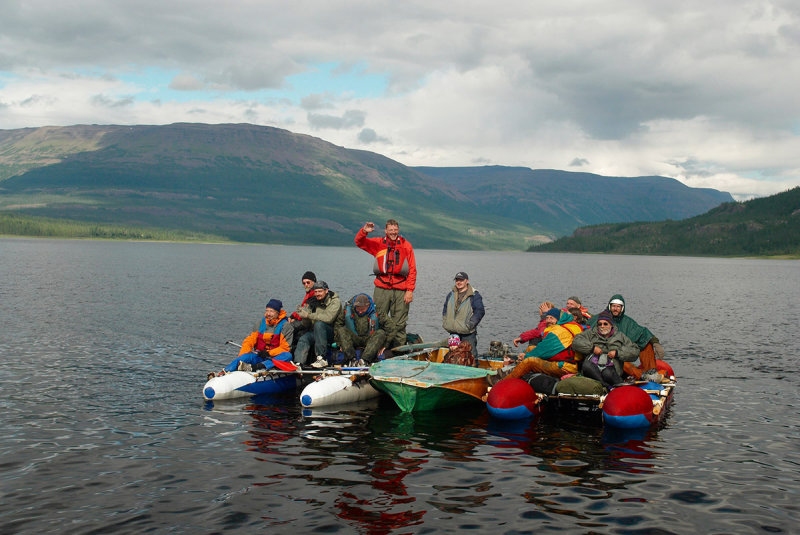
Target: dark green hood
613	297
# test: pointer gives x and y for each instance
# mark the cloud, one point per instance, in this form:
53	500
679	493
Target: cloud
106	102
703	92
350	119
316	101
186	82
368	136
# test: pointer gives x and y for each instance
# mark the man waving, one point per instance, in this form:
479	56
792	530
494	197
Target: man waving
395	278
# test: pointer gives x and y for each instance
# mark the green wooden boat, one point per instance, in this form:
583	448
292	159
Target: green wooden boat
420	385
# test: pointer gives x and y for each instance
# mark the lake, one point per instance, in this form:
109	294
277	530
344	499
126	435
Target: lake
106	345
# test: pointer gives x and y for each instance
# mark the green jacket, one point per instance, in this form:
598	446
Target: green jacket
641	336
326	310
585	342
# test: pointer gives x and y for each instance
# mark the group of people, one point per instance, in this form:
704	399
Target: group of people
603	347
566	341
371	324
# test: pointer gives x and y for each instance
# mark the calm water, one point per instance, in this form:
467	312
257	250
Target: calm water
105	347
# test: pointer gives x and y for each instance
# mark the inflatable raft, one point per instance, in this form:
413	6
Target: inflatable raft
630	406
240	384
338	390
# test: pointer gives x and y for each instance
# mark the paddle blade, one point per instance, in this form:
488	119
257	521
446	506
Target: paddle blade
284	365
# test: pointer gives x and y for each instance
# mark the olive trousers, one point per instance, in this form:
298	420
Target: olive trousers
392	313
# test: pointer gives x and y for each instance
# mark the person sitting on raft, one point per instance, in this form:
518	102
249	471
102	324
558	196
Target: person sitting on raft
264	344
574	302
322	310
580	319
604	350
649	347
553	355
296	326
535	334
359	327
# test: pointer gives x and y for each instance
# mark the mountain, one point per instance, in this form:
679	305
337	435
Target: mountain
561	200
261	184
768	226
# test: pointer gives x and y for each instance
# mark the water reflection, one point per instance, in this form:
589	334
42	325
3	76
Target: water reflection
376	461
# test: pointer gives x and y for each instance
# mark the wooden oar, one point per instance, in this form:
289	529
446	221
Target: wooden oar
415	353
411	347
321	371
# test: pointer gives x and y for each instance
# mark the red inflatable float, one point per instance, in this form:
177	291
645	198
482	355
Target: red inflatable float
512	399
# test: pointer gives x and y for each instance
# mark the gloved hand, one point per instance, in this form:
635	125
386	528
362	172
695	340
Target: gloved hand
303	312
658	350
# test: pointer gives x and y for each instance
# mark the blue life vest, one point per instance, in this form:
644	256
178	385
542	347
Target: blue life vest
350	315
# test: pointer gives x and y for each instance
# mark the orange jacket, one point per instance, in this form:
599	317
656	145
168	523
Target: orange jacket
395	267
266	340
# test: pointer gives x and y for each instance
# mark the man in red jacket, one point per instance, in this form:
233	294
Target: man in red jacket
296	327
395	278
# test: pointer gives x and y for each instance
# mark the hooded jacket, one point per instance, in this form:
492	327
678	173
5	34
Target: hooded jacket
641	336
556	344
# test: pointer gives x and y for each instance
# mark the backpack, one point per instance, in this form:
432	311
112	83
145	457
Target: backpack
541	383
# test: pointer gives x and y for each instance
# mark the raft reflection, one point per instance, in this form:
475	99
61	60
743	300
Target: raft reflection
383	471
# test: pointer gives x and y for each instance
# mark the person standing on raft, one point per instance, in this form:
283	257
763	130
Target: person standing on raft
395	278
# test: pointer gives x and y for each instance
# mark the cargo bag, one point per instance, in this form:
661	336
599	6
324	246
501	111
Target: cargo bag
578	384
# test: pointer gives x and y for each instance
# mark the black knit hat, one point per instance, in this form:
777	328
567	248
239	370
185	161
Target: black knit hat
309	275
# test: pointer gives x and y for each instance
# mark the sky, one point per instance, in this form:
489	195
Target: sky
704	92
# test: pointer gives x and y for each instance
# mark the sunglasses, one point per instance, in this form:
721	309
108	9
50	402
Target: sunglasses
603	323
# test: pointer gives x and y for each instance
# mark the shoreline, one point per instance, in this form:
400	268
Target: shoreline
230	242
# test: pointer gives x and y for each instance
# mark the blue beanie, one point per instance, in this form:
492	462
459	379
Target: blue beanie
275	304
556	313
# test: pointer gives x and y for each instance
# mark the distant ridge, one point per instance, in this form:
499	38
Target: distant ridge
768	226
562	200
261	184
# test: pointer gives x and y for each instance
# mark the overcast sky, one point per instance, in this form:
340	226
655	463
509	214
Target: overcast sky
705	92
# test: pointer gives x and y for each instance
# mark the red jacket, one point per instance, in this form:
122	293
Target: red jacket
538	332
395	267
309	295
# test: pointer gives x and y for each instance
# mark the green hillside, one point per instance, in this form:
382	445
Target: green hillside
43	227
562	201
260	184
768	226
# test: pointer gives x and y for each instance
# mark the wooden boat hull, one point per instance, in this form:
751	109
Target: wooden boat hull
426	385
